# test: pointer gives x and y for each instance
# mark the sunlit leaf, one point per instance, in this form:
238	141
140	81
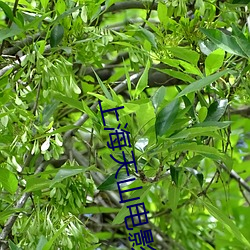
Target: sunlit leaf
8	180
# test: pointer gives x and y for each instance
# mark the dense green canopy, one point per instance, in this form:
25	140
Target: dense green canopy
179	69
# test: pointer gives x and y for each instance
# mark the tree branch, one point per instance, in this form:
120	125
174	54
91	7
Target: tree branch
236	177
21	44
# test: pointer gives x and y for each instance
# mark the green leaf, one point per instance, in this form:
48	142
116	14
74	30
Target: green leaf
158	97
207	46
166	117
193	132
8	180
218	125
110	182
7	10
188	105
70	101
99	210
41	243
49	110
104	89
202	114
124	211
194	161
66	172
9	211
186	54
49	244
143	81
216	110
204	150
189	68
227	223
35	183
174	172
68	12
36	21
173	196
162	12
244	45
198	175
56	35
237	32
9	32
223	41
214	61
197	85
13	246
177	74
147	35
44	3
108	235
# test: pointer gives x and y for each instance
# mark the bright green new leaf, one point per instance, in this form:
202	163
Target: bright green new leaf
162	12
8	180
44	3
214	61
202	113
185	54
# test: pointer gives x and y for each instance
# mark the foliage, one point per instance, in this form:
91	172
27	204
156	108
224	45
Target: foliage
179	68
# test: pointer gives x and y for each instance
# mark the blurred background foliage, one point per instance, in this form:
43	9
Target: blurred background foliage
180	68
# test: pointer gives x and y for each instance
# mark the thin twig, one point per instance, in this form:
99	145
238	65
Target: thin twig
235	176
148	14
